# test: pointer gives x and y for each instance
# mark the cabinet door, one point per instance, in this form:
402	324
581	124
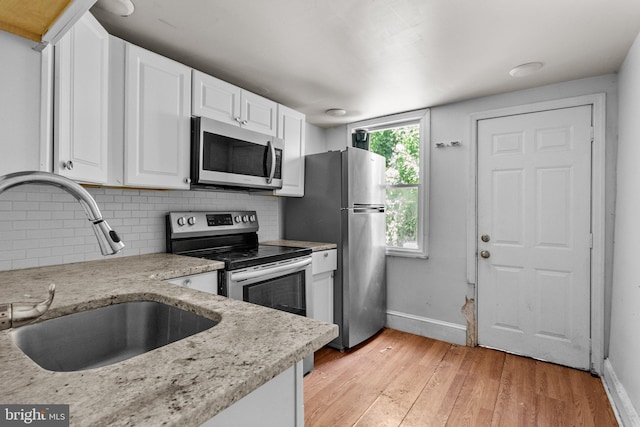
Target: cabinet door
205	282
323	265
323	297
157	120
291	128
81	102
215	99
258	113
277	403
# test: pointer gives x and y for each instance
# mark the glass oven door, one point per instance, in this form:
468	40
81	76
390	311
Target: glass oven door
280	285
286	293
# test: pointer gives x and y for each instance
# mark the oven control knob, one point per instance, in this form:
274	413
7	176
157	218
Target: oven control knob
245	218
237	219
191	220
252	218
181	221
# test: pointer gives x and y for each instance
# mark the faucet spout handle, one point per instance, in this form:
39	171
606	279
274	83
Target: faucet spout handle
22	313
108	240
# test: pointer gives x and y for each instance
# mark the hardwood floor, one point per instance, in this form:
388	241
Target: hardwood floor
400	379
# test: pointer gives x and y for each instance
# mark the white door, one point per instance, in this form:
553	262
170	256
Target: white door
534	225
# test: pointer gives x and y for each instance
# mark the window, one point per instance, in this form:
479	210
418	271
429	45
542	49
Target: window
402	140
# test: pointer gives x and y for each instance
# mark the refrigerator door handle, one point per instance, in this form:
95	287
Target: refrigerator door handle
365	209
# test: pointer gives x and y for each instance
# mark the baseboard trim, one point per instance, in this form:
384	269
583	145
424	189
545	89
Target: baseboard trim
426	327
622	406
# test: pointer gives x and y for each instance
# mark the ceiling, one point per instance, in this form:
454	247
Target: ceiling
30	19
379	57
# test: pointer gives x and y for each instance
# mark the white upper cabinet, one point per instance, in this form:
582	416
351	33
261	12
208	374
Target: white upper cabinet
81	102
222	101
215	99
157	120
258	113
291	128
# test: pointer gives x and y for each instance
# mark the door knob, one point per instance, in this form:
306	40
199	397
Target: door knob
485	254
485	238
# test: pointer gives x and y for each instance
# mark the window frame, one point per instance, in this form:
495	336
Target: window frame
423	118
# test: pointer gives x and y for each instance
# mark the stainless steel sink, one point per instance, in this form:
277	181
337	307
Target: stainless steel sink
106	335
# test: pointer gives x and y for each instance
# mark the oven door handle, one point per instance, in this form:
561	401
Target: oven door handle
283	269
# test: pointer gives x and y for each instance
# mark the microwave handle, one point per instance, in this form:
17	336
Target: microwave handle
272	172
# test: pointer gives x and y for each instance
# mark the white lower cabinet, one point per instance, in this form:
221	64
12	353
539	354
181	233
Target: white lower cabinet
278	403
205	282
323	265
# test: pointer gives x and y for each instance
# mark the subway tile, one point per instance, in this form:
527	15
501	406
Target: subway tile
12	235
48	218
8	255
26	206
24	263
52	260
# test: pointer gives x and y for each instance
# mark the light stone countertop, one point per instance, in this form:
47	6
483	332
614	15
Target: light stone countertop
314	246
181	384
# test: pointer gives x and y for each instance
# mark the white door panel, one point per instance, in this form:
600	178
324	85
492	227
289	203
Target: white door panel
534	174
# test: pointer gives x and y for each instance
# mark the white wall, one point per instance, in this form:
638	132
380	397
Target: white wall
624	350
426	296
315	139
19	104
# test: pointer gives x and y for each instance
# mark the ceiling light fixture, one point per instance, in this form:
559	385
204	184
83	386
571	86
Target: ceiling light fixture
526	69
336	112
117	7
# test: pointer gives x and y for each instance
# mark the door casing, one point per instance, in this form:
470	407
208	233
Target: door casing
597	101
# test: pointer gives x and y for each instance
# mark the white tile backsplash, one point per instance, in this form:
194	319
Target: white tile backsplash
44	225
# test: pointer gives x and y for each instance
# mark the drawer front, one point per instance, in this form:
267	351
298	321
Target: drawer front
324	261
205	282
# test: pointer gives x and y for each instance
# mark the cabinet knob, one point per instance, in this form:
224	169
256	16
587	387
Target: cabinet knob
68	165
186	283
187	180
238	119
485	254
244	122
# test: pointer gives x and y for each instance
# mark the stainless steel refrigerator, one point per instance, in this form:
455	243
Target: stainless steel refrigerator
344	204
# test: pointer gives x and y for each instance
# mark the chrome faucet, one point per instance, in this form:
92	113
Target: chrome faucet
18	314
21	313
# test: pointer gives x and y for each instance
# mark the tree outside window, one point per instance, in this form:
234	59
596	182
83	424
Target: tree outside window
400	146
402	139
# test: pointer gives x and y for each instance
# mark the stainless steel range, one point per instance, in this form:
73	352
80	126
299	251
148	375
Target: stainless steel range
272	276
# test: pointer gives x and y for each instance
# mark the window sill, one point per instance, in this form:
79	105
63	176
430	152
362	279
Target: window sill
407	253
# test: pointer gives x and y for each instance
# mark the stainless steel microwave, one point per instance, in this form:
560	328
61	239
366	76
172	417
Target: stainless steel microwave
224	155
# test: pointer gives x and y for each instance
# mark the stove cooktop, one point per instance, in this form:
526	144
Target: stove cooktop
229	236
235	259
